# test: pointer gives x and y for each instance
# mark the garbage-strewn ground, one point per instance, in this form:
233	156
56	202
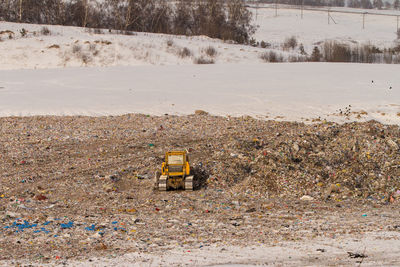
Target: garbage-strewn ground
74	188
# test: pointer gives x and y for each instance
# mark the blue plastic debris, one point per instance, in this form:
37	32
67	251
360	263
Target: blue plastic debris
67	225
21	226
114	222
91	228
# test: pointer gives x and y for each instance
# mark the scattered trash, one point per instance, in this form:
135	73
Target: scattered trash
270	177
306	198
41	197
356	255
67	225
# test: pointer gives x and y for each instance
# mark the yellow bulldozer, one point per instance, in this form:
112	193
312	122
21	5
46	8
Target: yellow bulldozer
175	172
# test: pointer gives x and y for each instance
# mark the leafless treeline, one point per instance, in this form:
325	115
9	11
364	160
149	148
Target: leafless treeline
225	19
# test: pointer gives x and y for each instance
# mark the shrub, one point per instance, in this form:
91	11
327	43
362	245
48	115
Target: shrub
316	55
170	42
23	32
85	58
290	42
184	52
302	51
253	42
210	51
76	48
92	47
45	31
129	33
264	44
271	56
337	52
203	60
98	31
294	58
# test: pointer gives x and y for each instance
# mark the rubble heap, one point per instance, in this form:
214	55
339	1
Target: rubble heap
81	186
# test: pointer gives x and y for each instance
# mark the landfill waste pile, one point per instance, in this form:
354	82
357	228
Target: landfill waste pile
80	187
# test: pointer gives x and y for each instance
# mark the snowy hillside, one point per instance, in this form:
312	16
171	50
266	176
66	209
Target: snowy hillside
72	46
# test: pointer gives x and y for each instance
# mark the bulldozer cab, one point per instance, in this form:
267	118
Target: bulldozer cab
176	164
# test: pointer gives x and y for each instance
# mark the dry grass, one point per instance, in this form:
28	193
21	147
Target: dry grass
203	60
56	46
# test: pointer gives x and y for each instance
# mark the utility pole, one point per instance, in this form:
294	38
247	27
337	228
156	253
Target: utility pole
276	8
364	20
257	9
302	7
329	16
397	23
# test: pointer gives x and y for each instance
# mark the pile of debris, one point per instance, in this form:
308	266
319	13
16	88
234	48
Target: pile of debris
81	186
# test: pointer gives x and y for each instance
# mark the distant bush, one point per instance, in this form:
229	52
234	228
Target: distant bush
253	42
264	44
210	51
290	42
23	32
302	50
336	52
76	48
86	58
45	31
129	33
203	60
316	55
294	58
184	52
98	31
170	42
271	56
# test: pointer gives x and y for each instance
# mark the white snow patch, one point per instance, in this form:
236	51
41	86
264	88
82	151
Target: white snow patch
285	91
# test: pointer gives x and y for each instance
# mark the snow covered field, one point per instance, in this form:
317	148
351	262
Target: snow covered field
314	27
286	91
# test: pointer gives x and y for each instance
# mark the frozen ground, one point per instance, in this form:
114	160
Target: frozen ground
303	91
379	247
